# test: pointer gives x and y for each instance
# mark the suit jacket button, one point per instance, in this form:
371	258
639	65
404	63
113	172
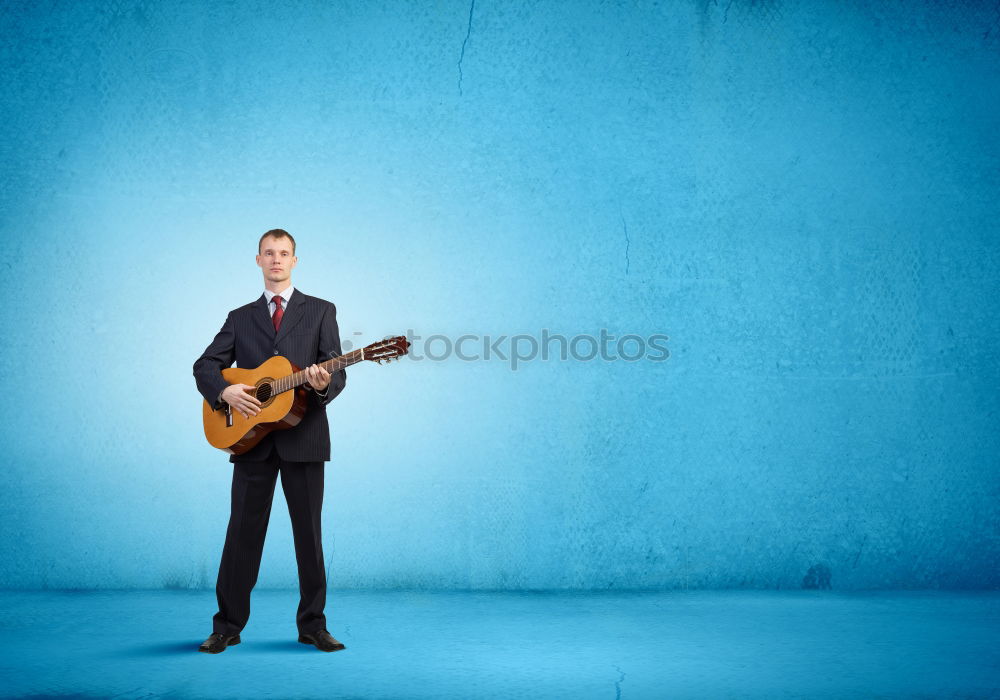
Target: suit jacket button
275	352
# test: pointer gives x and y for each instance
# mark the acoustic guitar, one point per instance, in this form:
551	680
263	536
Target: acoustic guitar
278	385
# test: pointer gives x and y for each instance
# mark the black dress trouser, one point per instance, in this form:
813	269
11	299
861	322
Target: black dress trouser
253	491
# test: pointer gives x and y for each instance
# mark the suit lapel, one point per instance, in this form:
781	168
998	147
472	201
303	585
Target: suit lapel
263	316
291	316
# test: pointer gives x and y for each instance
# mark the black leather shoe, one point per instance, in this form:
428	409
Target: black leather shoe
322	640
217	643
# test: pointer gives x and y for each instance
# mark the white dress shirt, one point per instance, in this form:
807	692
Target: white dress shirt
285	296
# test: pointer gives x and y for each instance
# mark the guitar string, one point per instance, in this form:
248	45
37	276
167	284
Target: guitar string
299	377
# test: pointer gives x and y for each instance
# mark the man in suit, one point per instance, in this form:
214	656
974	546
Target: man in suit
283	321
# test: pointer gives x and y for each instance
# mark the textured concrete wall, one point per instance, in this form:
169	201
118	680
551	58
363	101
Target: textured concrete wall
803	196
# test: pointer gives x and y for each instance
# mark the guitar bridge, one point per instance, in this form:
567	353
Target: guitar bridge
229	416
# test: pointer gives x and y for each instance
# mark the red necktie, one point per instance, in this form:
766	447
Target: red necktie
278	312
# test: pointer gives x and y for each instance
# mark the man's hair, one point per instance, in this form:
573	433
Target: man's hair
277	233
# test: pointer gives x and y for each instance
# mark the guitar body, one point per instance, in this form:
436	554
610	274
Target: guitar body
231	432
277	412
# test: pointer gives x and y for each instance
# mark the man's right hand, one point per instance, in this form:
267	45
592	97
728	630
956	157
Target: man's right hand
246	403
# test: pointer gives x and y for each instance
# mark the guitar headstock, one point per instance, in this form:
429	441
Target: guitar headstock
387	350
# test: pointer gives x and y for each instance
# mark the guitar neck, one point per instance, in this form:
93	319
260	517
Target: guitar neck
297	379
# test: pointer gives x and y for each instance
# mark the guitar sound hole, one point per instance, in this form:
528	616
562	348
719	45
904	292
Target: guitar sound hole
264	393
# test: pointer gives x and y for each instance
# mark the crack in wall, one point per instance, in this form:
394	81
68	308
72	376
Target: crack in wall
461	57
618	684
627	241
858	556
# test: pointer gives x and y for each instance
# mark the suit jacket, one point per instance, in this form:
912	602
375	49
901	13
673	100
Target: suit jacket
309	334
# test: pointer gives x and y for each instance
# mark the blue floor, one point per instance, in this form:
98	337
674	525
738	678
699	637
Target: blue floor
698	644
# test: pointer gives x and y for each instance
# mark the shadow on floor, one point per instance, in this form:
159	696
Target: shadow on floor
179	648
165	648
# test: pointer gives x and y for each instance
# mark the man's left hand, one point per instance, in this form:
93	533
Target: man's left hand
319	378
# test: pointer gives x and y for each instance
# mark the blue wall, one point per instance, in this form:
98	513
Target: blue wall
803	196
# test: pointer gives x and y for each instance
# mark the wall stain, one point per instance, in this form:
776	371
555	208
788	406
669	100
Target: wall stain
818	577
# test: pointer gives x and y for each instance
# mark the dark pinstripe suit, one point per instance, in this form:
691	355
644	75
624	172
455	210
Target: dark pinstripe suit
308	334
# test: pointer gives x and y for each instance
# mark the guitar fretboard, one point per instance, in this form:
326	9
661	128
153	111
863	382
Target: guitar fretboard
297	379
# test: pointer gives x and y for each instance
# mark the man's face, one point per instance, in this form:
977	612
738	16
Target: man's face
276	259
